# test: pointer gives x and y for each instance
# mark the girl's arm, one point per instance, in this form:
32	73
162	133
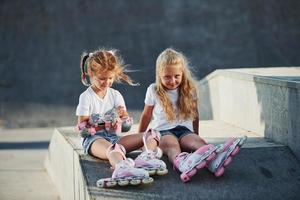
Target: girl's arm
122	112
145	118
196	123
82	119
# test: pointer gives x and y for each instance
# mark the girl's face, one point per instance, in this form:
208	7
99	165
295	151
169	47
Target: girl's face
103	80
171	76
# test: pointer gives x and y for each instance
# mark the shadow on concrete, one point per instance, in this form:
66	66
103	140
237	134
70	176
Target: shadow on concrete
205	105
24	145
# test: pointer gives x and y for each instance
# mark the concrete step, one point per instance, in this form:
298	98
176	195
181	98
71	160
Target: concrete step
263	169
263	100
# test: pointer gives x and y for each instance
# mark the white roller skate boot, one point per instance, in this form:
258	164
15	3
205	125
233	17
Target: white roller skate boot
224	157
150	160
125	173
189	163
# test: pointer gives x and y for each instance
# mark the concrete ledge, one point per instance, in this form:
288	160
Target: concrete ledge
63	164
279	76
262	100
261	164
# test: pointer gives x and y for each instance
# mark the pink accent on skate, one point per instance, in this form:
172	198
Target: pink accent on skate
81	125
85	125
151	134
221	169
189	164
178	159
140	162
228	143
118	126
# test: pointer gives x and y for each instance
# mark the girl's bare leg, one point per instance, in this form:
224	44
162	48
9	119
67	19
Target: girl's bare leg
191	142
132	142
170	146
99	148
135	141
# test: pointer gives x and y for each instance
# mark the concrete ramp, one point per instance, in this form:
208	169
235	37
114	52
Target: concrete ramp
262	170
256	173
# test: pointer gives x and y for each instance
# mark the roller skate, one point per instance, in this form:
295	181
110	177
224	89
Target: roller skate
113	122
126	174
189	163
126	124
110	121
230	149
150	160
85	130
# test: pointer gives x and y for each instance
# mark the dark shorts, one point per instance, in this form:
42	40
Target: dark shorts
178	131
88	141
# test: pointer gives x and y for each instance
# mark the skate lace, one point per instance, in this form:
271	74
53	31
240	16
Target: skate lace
128	162
147	155
181	158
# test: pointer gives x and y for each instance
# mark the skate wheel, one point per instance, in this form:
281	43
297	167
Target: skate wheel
201	165
147	180
100	183
235	151
227	161
192	172
110	183
151	172
220	172
162	172
211	156
184	177
135	182
106	183
123	182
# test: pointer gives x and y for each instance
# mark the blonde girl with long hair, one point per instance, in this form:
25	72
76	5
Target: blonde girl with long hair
99	70
171	105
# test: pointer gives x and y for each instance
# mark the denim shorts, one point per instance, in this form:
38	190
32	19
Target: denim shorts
88	141
178	131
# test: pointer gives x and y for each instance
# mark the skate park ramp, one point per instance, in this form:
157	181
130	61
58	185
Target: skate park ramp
267	166
262	170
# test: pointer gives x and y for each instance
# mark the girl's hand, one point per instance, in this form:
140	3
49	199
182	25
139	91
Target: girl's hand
122	112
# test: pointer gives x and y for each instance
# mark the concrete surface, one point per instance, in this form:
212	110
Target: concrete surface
262	170
256	173
22	173
262	100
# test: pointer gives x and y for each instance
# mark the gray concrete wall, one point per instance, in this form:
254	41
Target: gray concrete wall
41	42
265	101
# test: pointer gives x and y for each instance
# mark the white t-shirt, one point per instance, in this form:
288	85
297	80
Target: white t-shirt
160	121
91	103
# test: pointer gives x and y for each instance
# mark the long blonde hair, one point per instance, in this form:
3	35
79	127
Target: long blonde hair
101	61
187	91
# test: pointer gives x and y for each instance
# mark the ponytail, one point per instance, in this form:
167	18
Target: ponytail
85	78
